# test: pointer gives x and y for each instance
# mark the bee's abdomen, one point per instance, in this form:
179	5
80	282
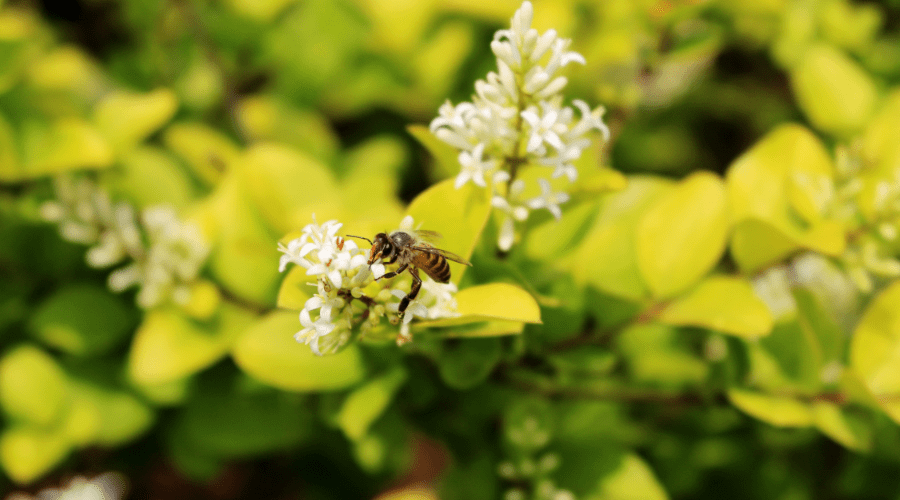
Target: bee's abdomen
434	265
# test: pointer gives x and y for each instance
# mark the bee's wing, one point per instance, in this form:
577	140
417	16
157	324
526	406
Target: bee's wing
426	235
447	255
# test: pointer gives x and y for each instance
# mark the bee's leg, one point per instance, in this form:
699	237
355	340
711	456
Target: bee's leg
393	273
413	292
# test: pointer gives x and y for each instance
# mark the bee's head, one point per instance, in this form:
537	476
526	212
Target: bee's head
382	248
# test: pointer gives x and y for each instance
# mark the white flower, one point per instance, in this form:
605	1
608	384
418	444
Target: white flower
473	167
548	199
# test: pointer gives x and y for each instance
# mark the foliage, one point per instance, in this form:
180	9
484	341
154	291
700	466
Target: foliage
706	309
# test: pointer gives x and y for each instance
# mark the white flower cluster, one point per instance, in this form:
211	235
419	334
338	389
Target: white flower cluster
166	254
348	299
106	486
517	118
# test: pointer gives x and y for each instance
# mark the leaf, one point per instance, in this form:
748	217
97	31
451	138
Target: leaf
295	291
169	346
151	176
28	453
606	258
466	364
60	146
660	355
682	235
10	166
287	186
245	256
875	348
267	351
721	303
224	421
784	182
835	423
82	320
127	118
33	388
835	93
206	151
632	480
445	155
553	238
485	311
458	214
366	403
113	418
780	411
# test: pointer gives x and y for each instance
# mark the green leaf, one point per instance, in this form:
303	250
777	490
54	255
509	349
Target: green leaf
459	215
270	118
295	291
881	150
445	155
721	303
268	352
206	151
227	422
33	388
82	320
660	355
62	145
784	183
464	365
288	186
366	403
837	424
9	157
780	411
106	417
127	118
169	346
606	258
151	176
498	301
553	238
836	94
245	256
632	480
28	453
875	348
682	236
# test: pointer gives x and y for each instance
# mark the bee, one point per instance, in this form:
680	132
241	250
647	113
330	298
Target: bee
412	251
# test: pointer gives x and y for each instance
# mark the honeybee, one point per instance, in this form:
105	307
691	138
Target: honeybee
412	251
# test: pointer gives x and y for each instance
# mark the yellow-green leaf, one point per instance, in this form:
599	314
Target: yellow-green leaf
33	388
783	183
169	346
780	411
875	348
459	215
151	176
461	328
836	94
606	257
268	352
445	155
833	421
682	235
497	301
295	291
62	145
633	479
288	186
721	303
105	417
207	151
127	118
366	403
245	257
28	453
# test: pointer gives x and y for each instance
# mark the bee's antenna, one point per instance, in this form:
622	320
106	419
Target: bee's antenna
362	238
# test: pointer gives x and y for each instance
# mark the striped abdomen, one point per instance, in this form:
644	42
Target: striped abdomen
434	265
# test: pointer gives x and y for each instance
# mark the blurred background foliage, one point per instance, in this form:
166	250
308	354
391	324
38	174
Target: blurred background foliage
725	324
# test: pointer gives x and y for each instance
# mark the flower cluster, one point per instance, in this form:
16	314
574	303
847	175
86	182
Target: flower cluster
872	242
350	300
165	254
517	118
106	486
